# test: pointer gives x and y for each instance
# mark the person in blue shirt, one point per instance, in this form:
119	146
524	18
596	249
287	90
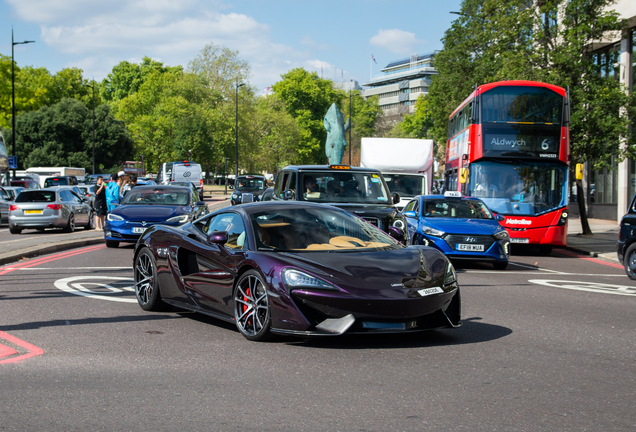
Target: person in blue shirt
112	192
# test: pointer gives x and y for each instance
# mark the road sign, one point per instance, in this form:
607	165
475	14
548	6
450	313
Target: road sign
13	162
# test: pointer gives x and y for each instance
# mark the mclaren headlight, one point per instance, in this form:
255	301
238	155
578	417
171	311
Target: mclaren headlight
114	218
501	235
450	276
179	219
432	231
293	278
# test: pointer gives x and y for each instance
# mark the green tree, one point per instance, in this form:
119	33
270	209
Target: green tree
126	78
62	135
417	124
174	113
307	98
222	68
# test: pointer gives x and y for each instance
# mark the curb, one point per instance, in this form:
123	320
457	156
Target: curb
33	251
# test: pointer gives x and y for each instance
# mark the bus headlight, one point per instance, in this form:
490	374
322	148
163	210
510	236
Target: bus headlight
563	219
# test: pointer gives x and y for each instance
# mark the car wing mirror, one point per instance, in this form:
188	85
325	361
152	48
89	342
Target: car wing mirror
218	237
201	204
501	218
396	198
288	194
410	214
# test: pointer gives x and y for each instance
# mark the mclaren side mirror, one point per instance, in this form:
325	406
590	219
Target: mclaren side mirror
410	214
396	198
218	237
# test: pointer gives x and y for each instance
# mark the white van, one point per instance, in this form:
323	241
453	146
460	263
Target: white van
182	172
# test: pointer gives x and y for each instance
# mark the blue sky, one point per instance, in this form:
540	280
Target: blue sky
335	38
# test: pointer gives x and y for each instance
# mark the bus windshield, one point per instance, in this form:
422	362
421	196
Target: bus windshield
519	188
520	104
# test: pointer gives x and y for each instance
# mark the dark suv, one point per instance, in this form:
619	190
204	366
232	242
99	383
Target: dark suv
248	188
361	191
626	246
60	181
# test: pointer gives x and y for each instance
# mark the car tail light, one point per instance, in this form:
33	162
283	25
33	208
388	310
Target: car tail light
54	206
201	182
13	207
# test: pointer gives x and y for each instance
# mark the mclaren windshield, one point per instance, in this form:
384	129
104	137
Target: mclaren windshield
316	229
519	188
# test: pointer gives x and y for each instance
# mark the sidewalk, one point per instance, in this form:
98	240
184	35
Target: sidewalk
602	242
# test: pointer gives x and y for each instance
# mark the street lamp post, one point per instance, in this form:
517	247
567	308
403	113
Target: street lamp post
13	91
93	87
225	181
350	125
236	155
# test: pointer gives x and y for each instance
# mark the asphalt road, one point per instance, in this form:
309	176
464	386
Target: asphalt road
545	345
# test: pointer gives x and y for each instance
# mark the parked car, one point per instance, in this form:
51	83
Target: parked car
460	227
26	183
626	245
56	207
248	188
145	206
60	181
88	192
361	191
13	191
297	269
5	202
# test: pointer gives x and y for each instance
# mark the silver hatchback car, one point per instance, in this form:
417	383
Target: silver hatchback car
56	207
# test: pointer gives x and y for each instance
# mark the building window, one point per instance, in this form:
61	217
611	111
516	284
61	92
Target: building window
606	60
604	185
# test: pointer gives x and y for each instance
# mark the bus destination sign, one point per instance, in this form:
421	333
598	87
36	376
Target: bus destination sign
522	143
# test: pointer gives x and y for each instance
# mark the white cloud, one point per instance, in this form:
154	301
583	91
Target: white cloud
97	36
397	41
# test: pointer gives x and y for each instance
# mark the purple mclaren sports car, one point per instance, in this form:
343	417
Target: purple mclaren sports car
297	269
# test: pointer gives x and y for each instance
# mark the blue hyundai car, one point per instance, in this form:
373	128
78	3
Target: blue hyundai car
461	227
145	206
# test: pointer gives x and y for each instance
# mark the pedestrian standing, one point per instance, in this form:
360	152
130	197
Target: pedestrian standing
100	204
112	191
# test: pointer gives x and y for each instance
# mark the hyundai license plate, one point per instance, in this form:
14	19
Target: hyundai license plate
139	230
470	247
519	240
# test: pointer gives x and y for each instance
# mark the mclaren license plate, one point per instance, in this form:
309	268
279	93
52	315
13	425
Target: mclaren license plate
33	212
519	240
470	247
139	230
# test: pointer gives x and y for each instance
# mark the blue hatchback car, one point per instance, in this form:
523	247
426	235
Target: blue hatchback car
461	227
145	206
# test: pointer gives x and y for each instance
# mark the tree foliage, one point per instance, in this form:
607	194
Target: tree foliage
222	68
174	115
62	135
126	78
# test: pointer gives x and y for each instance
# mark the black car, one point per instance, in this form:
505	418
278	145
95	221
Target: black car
248	188
626	246
361	191
295	269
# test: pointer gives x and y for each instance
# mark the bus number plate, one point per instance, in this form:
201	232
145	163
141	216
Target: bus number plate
470	247
519	240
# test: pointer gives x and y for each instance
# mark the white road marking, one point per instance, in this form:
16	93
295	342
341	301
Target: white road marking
588	286
536	273
536	268
100	290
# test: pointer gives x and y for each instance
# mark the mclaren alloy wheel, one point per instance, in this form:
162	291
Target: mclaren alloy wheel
251	307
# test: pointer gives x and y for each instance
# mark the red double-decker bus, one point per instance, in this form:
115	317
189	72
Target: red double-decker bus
509	144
